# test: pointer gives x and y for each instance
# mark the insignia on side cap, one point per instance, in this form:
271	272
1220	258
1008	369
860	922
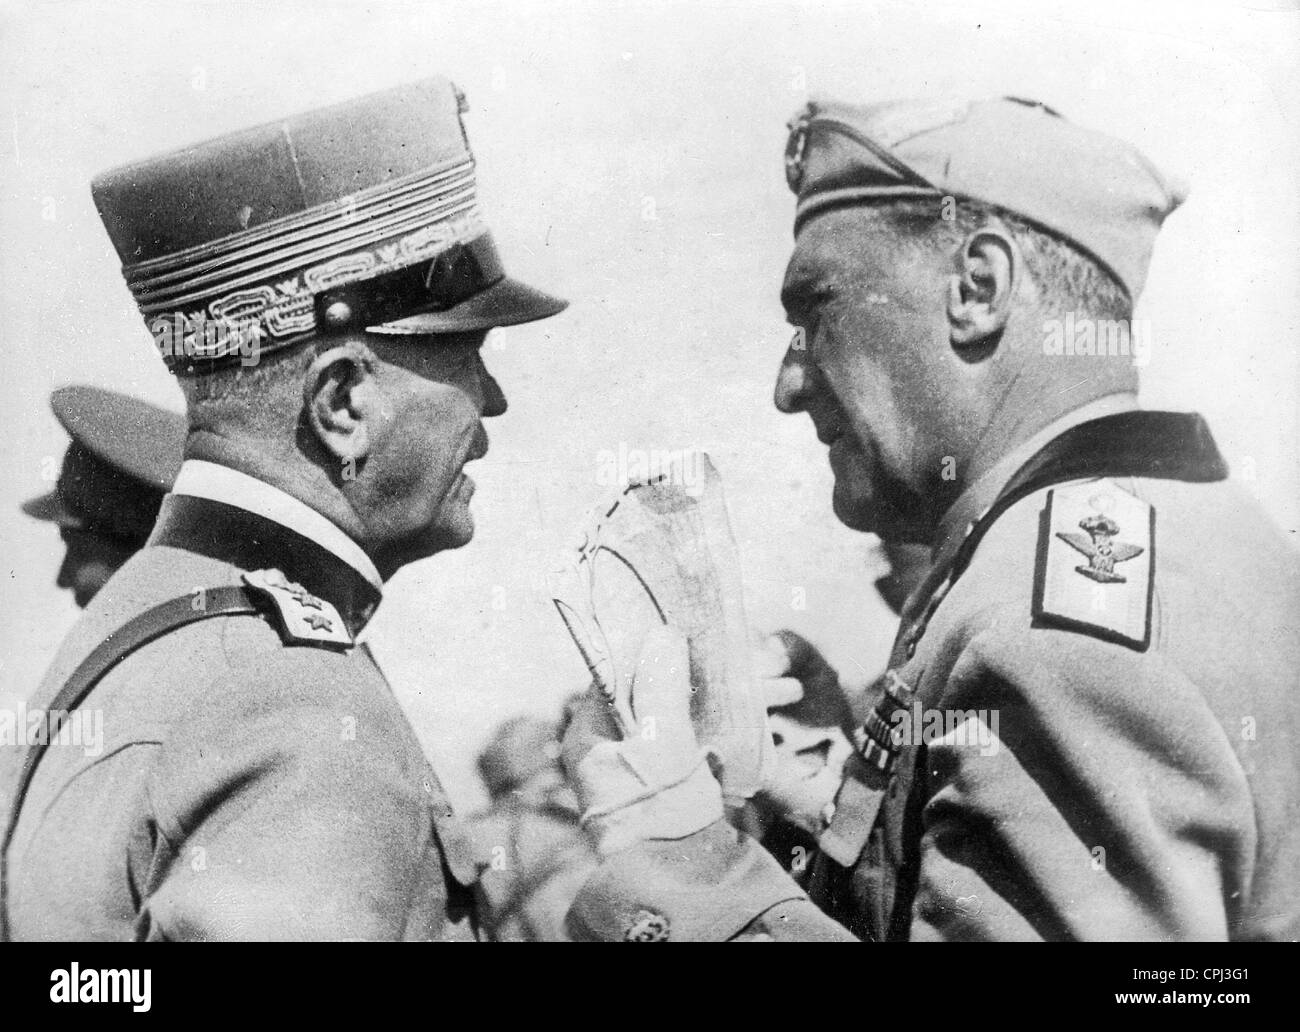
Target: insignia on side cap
1108	593
304	618
647	926
794	148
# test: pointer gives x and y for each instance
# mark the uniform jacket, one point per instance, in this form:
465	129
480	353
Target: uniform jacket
248	786
536	859
1132	784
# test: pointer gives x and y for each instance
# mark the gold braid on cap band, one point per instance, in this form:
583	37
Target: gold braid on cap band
205	304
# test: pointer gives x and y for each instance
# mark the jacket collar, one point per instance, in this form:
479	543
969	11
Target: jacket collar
1133	443
976	499
276	537
220	483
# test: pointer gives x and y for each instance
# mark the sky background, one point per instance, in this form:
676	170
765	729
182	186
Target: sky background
630	159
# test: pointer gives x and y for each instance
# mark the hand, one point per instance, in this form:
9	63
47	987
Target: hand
807	712
653	782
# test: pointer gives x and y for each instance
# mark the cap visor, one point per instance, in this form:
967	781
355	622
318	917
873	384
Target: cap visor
505	303
51	509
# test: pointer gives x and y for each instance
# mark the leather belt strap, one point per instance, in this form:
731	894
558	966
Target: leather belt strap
148	626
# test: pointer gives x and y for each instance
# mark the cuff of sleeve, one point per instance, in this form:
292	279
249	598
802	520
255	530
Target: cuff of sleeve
675	813
706	887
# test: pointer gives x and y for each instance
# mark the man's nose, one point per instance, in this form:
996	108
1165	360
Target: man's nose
494	398
794	381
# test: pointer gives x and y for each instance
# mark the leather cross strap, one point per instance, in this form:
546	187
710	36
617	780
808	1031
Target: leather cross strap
148	626
1142	443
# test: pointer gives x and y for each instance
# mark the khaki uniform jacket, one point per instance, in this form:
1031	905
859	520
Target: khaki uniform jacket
1114	771
249	786
536	859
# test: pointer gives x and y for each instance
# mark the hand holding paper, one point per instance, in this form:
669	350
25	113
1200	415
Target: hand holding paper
660	554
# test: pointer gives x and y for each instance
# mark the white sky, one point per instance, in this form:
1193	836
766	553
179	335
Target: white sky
579	114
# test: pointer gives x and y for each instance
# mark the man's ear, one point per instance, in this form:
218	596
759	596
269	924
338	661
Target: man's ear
982	285
339	394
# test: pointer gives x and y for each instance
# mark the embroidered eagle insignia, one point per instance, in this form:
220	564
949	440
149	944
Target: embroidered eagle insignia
1087	518
1101	548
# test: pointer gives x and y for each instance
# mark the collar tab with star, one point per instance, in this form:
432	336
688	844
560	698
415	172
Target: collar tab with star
301	617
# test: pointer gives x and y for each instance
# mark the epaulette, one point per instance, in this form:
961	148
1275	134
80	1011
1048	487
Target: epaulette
304	619
1096	563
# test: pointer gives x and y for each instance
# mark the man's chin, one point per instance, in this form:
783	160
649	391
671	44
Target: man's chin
454	532
444	537
870	514
854	513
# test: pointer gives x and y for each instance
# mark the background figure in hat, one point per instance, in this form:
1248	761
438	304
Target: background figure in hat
123	458
321	286
535	854
1087	729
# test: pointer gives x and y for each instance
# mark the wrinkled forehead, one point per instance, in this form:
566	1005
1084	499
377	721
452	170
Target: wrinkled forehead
832	245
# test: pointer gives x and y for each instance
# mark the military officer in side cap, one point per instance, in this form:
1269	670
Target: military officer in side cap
123	457
321	286
1089	721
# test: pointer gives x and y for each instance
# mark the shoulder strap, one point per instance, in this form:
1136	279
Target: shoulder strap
148	626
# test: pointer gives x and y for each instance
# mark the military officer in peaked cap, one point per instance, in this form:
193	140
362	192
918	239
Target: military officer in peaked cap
321	286
1088	727
122	459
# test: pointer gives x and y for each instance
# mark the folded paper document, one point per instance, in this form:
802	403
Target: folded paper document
662	553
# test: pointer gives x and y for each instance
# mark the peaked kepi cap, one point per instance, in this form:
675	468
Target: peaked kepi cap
1094	190
359	215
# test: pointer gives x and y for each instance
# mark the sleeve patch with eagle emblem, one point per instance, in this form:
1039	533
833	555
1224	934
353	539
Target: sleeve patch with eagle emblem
1096	563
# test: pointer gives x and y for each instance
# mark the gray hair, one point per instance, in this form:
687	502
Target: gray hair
1068	279
259	395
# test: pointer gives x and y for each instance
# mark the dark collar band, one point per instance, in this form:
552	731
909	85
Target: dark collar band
1139	443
